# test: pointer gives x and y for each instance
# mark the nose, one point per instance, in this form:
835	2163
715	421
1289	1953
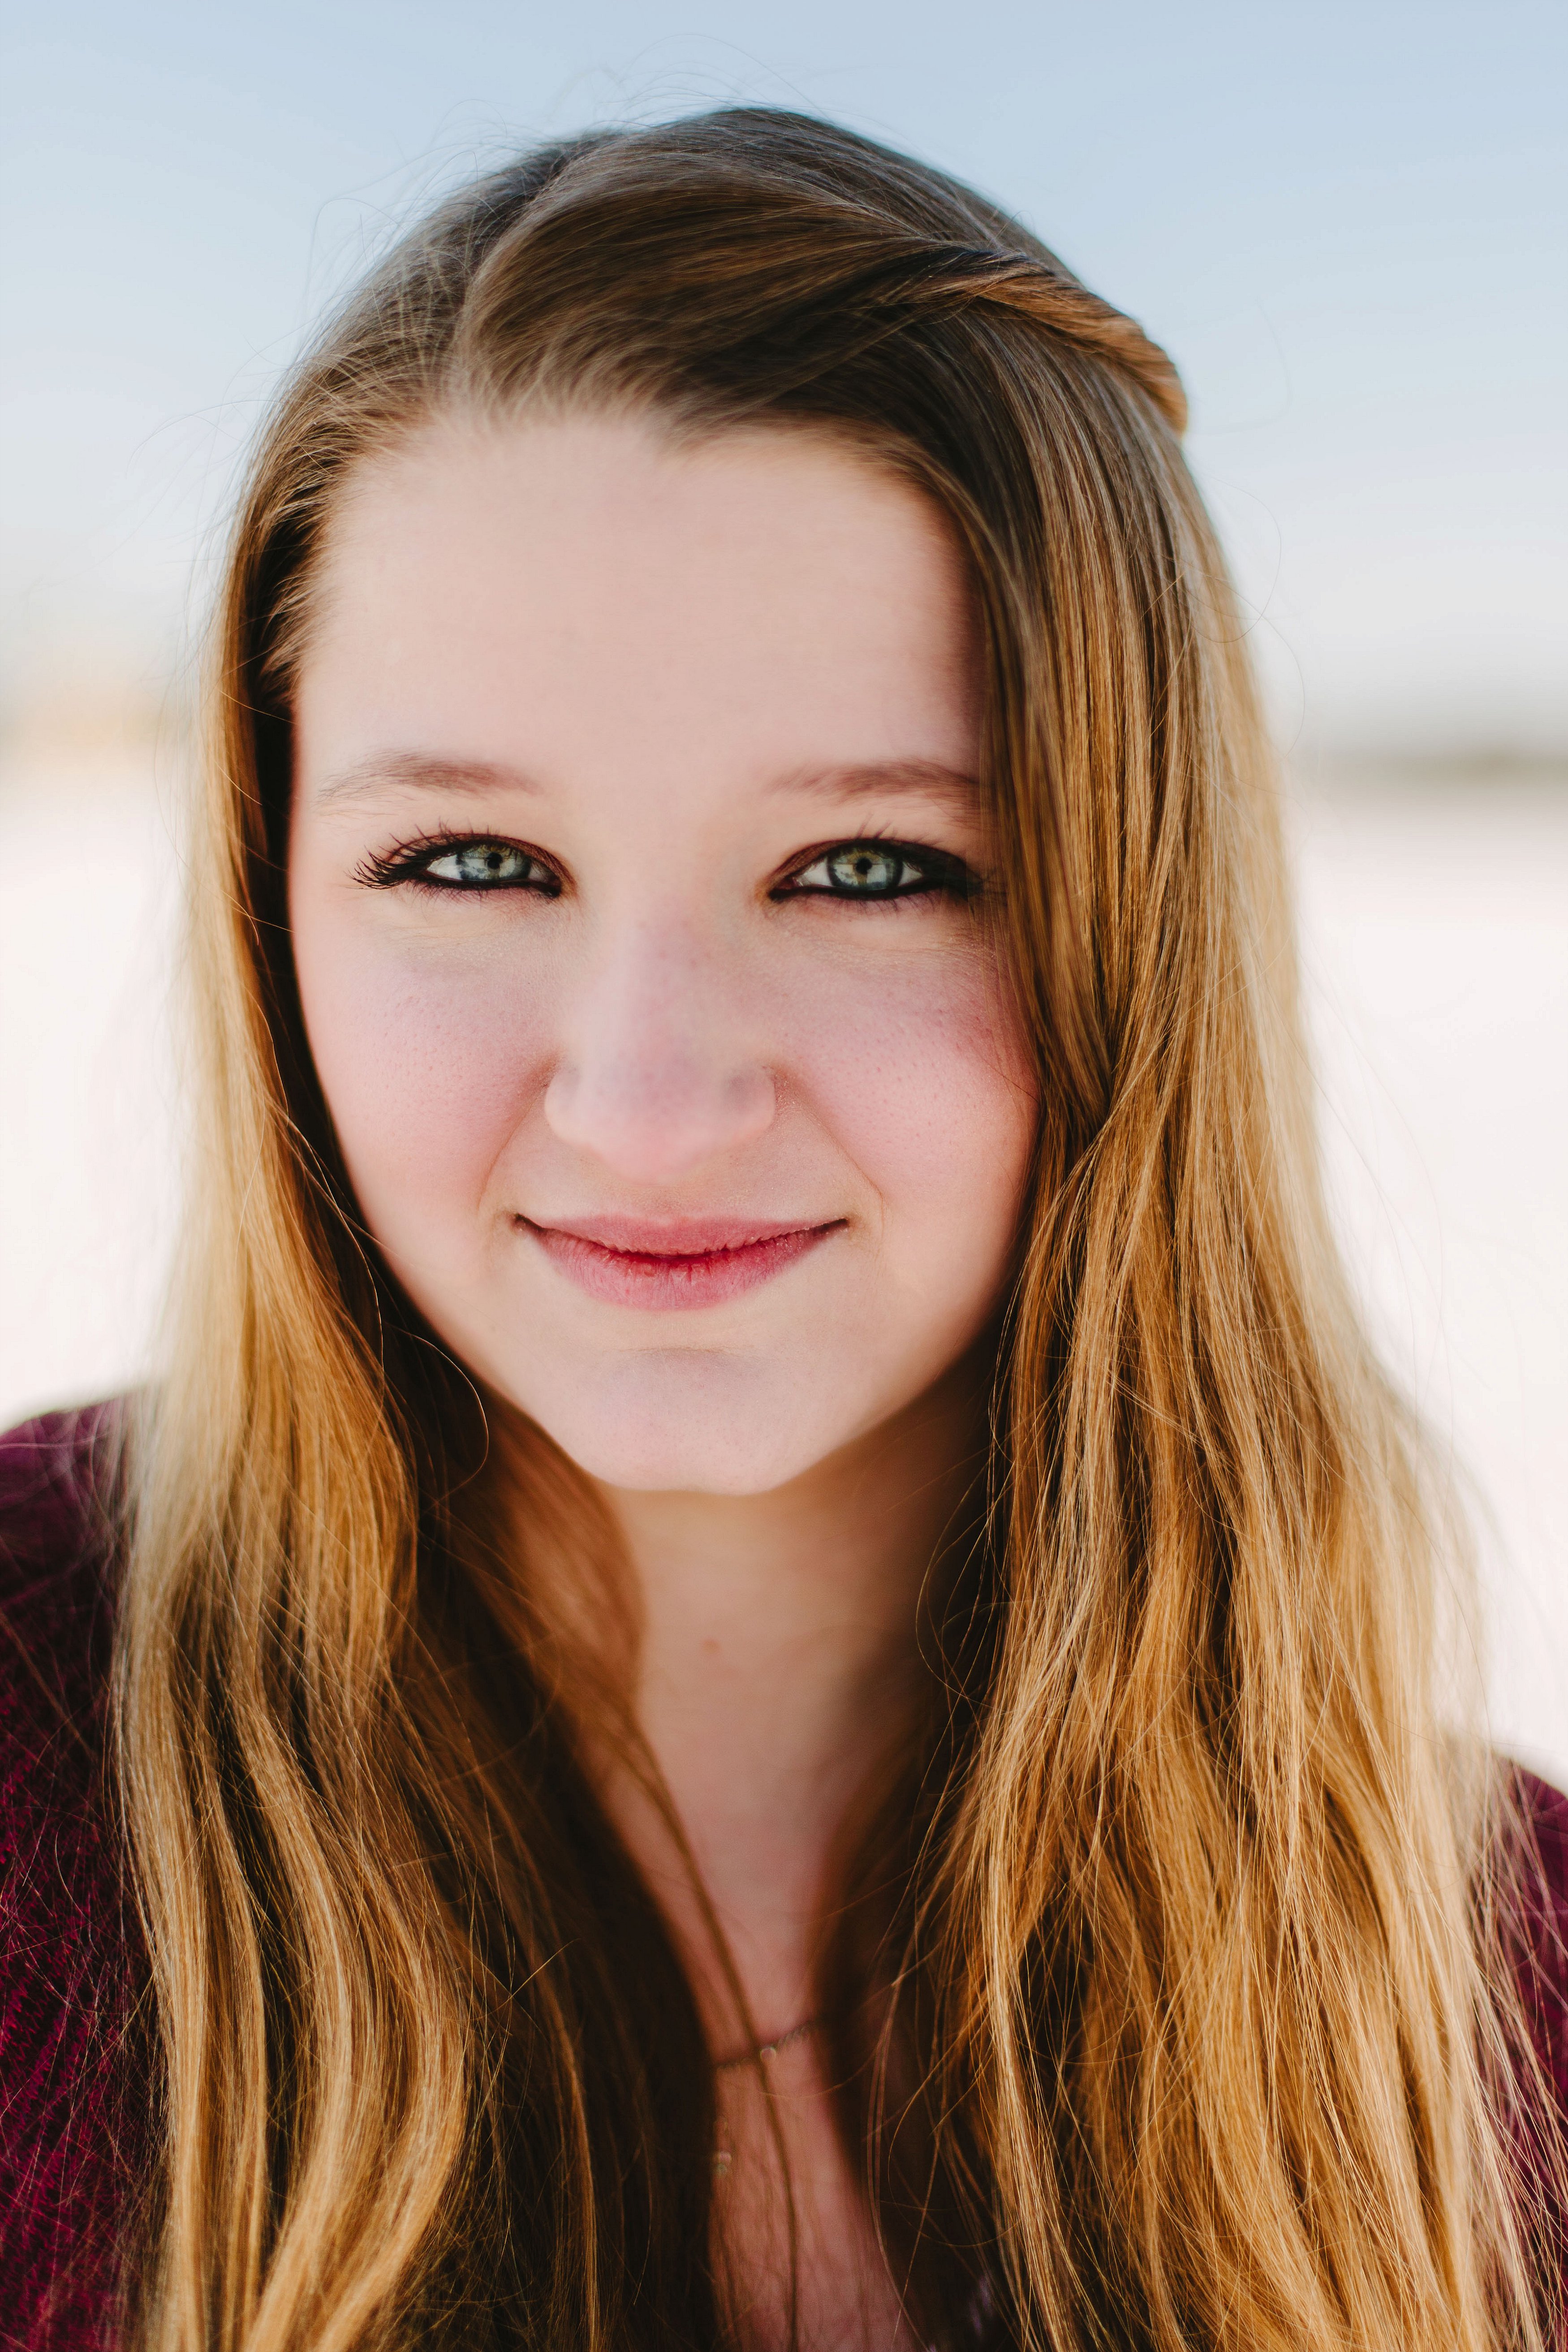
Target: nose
656	1073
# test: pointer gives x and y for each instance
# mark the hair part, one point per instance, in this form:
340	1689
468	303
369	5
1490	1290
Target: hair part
1185	2020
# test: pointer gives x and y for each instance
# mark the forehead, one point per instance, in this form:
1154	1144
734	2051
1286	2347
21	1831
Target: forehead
577	589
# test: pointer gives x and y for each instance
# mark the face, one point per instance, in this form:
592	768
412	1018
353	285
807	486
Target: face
643	900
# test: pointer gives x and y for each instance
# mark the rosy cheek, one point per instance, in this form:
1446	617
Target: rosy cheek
428	1067
918	1075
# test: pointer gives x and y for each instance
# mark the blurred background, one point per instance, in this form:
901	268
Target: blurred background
1348	224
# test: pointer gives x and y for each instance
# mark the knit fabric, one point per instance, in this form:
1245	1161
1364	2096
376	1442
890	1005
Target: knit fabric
77	2085
74	2085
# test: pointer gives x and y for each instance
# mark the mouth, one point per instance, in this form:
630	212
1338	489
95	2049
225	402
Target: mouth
674	1263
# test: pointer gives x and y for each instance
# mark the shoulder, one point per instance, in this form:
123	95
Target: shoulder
58	1557
1534	1921
58	1490
70	1977
1545	1809
1539	1902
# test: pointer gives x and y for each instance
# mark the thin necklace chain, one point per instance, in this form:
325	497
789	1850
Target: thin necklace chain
768	2049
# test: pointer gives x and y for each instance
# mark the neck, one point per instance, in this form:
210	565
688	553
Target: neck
778	1661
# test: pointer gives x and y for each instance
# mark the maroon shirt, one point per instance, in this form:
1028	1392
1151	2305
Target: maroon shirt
76	2082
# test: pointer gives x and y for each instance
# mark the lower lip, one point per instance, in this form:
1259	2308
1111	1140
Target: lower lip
706	1278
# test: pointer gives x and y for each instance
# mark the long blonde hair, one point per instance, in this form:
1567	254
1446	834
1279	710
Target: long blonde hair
1165	1989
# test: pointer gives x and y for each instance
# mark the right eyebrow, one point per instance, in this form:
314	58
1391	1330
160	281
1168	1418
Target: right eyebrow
378	770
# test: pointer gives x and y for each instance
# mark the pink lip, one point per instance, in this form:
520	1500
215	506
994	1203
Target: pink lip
680	1262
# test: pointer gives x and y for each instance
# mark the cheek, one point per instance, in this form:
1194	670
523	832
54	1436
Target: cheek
427	1068
925	1083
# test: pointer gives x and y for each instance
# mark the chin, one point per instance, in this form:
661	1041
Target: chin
689	1424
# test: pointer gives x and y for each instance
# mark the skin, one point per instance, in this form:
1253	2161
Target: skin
653	685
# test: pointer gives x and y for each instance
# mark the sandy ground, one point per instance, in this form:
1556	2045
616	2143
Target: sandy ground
1435	929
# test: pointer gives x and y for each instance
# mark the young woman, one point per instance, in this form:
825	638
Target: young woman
766	1671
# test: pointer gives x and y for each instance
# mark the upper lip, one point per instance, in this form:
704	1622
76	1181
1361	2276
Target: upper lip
678	1237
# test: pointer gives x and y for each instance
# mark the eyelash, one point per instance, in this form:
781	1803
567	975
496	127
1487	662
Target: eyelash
945	875
406	865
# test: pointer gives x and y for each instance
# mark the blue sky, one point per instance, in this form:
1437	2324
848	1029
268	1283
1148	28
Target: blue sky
1347	223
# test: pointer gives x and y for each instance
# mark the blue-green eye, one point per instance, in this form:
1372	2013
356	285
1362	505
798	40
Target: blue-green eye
878	869
463	867
484	865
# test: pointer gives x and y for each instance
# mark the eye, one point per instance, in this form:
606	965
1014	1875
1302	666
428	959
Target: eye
484	865
464	866
878	869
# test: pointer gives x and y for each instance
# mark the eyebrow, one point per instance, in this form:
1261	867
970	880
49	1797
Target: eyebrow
932	777
364	777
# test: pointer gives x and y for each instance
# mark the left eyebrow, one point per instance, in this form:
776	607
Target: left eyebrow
378	770
931	777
